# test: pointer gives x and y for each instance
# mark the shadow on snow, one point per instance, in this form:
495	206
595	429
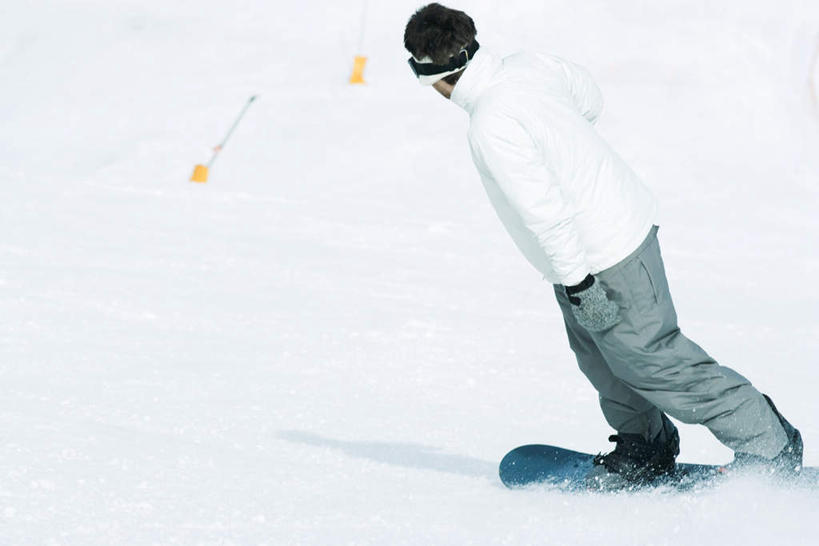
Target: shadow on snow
400	454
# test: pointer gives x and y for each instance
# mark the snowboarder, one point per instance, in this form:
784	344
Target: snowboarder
585	220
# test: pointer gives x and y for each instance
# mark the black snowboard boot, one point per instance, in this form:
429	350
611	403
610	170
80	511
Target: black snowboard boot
788	463
635	461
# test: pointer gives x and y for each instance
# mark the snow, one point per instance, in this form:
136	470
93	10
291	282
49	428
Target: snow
333	341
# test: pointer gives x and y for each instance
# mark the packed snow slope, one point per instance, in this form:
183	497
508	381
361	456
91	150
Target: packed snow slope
333	341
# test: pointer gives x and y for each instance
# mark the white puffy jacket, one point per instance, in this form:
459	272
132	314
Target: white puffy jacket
570	203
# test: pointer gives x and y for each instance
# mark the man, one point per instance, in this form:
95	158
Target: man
585	220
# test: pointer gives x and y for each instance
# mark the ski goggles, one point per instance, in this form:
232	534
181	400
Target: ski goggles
428	72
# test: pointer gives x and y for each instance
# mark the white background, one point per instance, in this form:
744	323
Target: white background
333	341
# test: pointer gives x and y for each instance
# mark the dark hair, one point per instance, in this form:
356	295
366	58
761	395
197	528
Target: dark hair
439	33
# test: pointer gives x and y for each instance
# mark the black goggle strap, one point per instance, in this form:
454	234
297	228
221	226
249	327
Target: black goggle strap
456	62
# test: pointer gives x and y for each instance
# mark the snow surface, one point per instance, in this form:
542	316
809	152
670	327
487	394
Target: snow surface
333	341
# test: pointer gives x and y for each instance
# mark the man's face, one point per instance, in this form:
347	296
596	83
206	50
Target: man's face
444	88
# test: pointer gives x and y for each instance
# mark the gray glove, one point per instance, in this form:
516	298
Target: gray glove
591	307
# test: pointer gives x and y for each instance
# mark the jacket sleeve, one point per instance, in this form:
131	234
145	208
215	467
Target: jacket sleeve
505	153
585	94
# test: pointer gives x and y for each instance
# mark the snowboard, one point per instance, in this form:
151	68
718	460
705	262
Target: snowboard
566	470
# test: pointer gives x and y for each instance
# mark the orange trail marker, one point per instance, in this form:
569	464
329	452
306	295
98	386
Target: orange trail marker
359	61
358	69
200	172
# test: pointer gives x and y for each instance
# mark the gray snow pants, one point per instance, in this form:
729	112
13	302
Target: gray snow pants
644	366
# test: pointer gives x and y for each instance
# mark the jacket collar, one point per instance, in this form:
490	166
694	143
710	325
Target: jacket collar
475	79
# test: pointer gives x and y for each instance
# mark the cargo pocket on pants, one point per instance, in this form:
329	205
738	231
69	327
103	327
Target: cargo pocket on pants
641	285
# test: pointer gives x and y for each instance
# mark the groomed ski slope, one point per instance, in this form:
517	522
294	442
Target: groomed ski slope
333	341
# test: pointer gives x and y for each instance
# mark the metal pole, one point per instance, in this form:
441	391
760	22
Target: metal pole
219	147
362	28
814	75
